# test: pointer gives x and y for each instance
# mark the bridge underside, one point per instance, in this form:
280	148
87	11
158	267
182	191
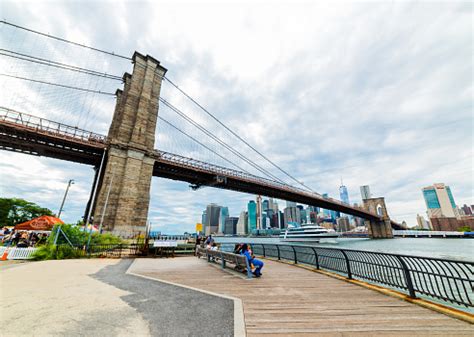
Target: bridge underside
29	141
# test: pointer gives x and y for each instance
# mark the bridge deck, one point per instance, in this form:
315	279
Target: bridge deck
291	301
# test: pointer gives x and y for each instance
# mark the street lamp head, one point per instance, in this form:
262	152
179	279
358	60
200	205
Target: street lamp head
71	181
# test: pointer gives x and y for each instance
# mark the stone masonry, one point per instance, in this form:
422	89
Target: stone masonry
129	165
378	229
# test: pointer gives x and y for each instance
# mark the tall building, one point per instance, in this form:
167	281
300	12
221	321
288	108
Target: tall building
290	204
467	210
265	205
252	211
440	202
343	194
223	215
259	212
242	223
213	212
230	226
204	218
343	224
291	214
422	223
365	192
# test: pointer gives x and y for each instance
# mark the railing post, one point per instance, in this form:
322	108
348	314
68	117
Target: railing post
408	279
315	257
278	250
120	250
263	249
349	273
294	252
222	261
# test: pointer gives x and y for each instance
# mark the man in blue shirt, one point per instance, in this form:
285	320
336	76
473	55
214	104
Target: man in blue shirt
257	263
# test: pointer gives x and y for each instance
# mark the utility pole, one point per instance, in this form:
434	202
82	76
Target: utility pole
70	182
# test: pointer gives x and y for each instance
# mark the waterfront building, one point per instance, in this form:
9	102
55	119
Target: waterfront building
440	202
290	204
252	216
265	205
259	212
344	194
467	210
223	215
422	223
242	223
230	226
204	219
291	214
365	192
212	219
343	224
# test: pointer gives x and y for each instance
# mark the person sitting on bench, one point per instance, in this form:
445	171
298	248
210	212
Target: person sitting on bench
252	260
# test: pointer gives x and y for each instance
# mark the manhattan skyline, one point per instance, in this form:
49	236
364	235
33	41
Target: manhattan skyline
384	106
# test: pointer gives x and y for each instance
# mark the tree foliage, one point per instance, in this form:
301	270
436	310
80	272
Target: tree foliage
14	211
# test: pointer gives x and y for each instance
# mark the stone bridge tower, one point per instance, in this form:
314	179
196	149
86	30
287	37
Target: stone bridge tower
129	162
378	229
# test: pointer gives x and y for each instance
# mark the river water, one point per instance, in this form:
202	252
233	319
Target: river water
458	249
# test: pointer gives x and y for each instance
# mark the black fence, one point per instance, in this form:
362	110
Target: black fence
447	280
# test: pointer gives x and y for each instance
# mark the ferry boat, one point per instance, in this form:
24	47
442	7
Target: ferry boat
307	233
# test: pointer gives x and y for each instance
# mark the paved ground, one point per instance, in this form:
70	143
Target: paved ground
96	298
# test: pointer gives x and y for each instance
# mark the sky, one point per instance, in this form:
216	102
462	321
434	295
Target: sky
374	93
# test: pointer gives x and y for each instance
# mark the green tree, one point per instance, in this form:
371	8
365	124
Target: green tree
465	228
14	211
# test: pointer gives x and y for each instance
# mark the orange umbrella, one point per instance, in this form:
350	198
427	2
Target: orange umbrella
42	223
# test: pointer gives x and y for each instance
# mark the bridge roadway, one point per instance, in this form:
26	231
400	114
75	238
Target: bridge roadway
20	132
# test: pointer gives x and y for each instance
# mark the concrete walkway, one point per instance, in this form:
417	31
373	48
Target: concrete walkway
97	298
292	301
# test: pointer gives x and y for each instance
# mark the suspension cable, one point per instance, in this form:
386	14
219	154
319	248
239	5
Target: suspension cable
235	134
205	146
59	85
218	140
55	64
65	40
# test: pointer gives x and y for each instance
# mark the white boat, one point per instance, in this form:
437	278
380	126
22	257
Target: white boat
307	233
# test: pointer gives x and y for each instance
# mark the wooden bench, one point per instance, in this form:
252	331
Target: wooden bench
240	261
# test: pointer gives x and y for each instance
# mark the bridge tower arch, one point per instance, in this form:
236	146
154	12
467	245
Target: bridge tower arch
378	229
129	162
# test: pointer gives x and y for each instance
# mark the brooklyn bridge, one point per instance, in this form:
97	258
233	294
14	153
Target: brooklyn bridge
126	159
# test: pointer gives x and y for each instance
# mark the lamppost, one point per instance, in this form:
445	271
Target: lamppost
70	182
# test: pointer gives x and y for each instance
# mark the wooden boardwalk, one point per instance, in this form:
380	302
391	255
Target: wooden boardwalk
292	301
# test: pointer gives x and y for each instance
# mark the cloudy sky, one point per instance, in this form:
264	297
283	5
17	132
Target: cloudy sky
378	93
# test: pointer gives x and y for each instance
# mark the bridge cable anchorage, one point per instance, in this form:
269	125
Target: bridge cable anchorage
220	141
65	40
205	146
55	64
235	134
59	85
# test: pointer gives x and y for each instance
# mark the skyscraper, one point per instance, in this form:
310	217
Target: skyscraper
204	219
230	226
212	219
290	204
252	211
259	212
242	223
365	192
440	202
343	193
223	215
265	205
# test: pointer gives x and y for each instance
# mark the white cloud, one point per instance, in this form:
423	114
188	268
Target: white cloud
378	93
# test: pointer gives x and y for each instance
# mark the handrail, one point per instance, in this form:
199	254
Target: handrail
450	281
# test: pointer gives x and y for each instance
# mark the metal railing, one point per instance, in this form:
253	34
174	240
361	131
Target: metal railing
103	251
51	128
450	281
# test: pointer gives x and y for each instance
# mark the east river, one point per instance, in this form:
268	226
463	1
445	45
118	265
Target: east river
458	249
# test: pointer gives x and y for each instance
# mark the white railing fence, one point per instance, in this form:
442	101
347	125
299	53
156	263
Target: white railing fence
15	253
